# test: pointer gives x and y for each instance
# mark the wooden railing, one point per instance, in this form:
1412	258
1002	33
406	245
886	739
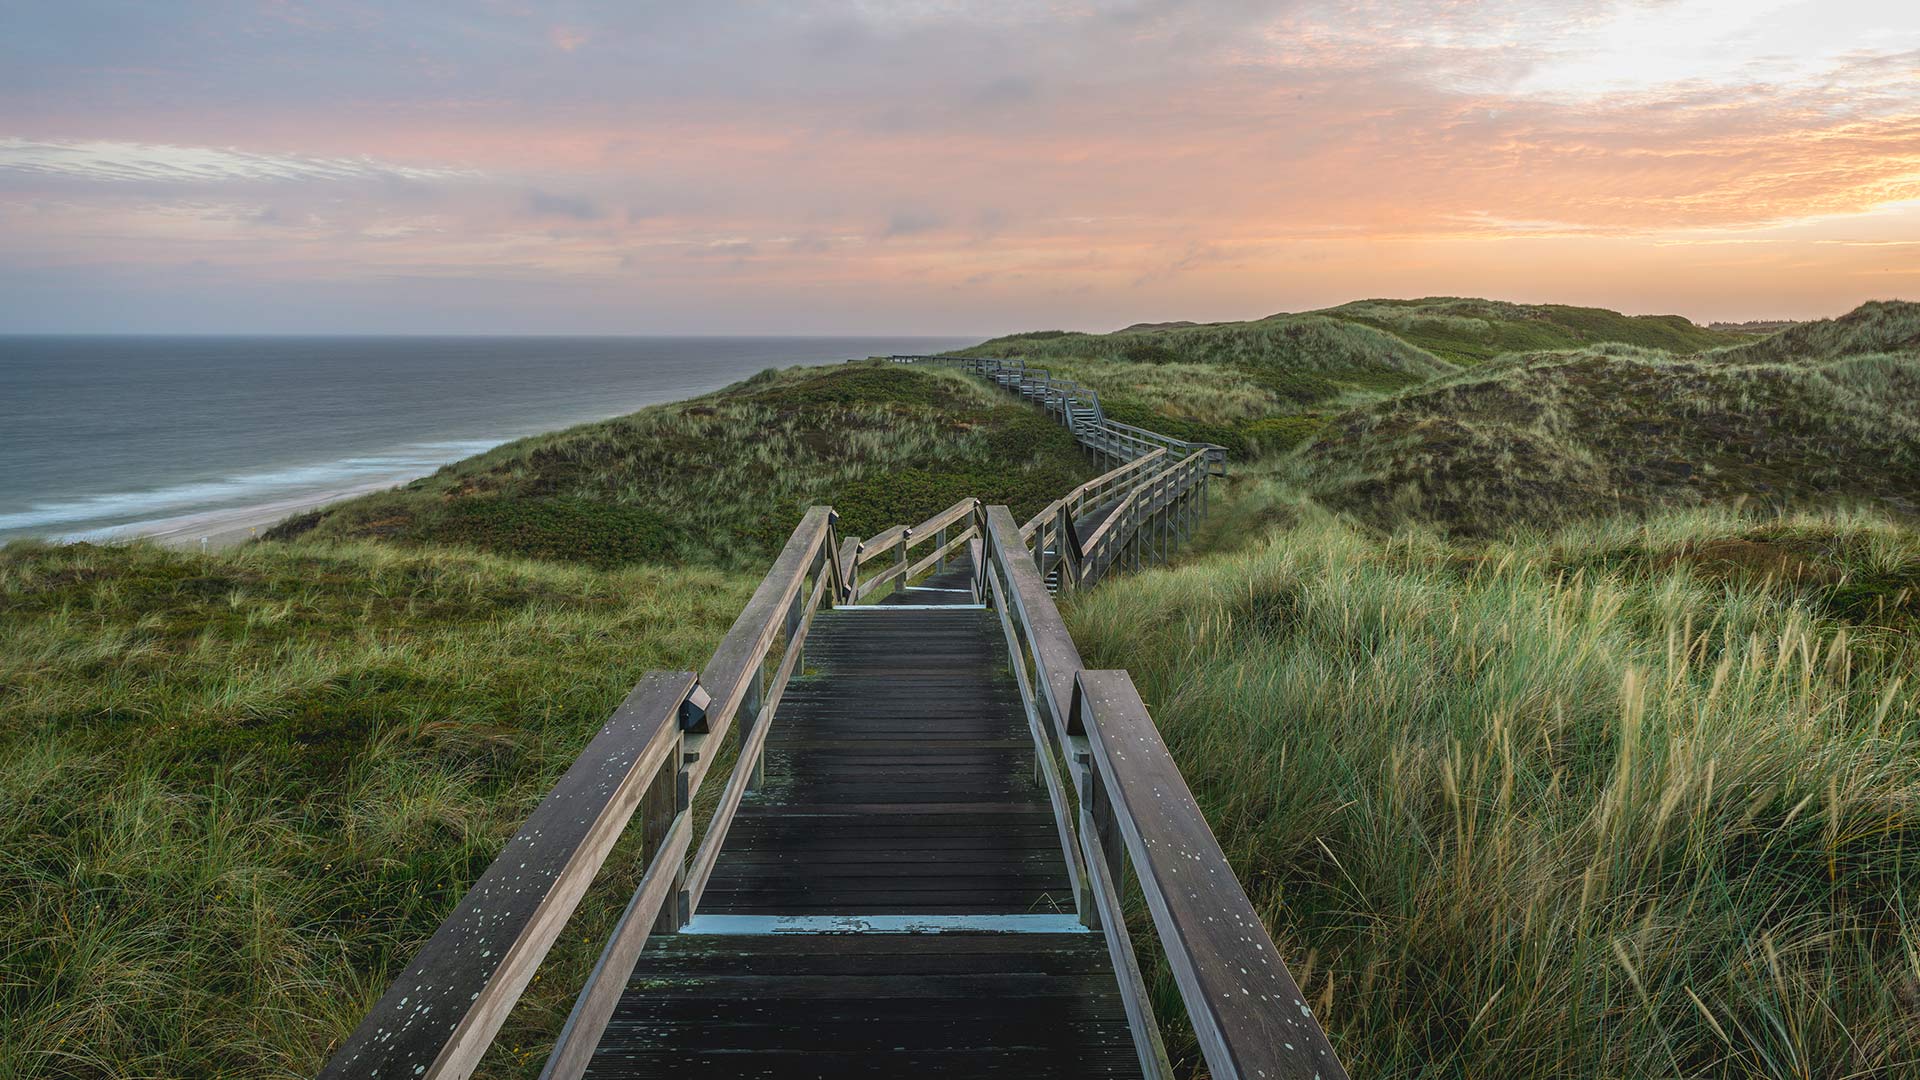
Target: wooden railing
1123	804
1075	405
442	1012
949	546
1133	810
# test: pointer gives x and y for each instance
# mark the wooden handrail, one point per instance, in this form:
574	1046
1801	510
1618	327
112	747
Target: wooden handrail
1077	499
908	537
438	1018
1146	497
441	1013
735	668
880	543
959	511
752	743
1248	1014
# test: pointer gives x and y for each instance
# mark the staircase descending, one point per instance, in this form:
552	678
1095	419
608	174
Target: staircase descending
930	812
901	799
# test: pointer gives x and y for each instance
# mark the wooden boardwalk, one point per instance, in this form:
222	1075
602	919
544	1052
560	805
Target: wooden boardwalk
905	738
900	783
891	828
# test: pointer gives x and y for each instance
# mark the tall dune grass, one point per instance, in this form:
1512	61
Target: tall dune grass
1632	800
238	791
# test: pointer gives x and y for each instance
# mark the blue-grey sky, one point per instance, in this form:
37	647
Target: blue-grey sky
943	167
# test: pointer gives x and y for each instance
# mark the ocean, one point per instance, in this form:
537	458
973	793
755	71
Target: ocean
107	437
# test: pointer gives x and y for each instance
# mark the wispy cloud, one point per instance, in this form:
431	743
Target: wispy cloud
122	162
547	204
936	164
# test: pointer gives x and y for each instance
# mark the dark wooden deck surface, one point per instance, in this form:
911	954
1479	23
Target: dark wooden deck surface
900	781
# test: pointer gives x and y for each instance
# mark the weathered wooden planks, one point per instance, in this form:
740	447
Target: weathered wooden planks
909	734
900	782
874	1005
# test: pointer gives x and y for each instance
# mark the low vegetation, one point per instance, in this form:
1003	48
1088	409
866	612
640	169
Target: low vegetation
238	791
1264	386
1468	331
1825	414
723	479
1630	799
1220	382
1547	674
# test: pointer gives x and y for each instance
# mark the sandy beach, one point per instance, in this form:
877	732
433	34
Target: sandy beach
228	527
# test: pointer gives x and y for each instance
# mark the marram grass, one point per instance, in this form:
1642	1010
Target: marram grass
238	792
1597	803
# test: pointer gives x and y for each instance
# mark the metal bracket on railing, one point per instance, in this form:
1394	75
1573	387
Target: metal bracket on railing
693	710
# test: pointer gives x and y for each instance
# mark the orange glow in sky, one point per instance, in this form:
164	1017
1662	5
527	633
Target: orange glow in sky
946	167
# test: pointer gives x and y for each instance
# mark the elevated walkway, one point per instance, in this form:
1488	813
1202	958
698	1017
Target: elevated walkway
929	814
895	898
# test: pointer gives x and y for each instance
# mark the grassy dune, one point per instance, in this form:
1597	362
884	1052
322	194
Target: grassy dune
1624	800
1246	385
239	791
722	479
1266	385
1533	774
1827	413
1468	331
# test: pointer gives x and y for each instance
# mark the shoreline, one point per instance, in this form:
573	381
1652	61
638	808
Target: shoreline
227	527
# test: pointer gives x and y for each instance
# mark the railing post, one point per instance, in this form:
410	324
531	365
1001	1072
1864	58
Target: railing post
1062	543
1095	834
1160	517
749	718
1133	537
1159	524
1186	498
900	582
666	798
940	545
1186	508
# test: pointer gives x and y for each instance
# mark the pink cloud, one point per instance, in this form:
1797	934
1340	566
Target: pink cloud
942	163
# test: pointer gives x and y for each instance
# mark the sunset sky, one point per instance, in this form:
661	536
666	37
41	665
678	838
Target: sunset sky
943	168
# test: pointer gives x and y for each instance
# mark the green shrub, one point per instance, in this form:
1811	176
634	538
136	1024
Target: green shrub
1146	350
1279	434
575	530
1297	387
874	383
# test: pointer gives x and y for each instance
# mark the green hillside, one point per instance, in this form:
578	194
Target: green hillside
238	790
1248	386
1820	415
1468	331
1266	384
722	479
1545	741
1872	328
